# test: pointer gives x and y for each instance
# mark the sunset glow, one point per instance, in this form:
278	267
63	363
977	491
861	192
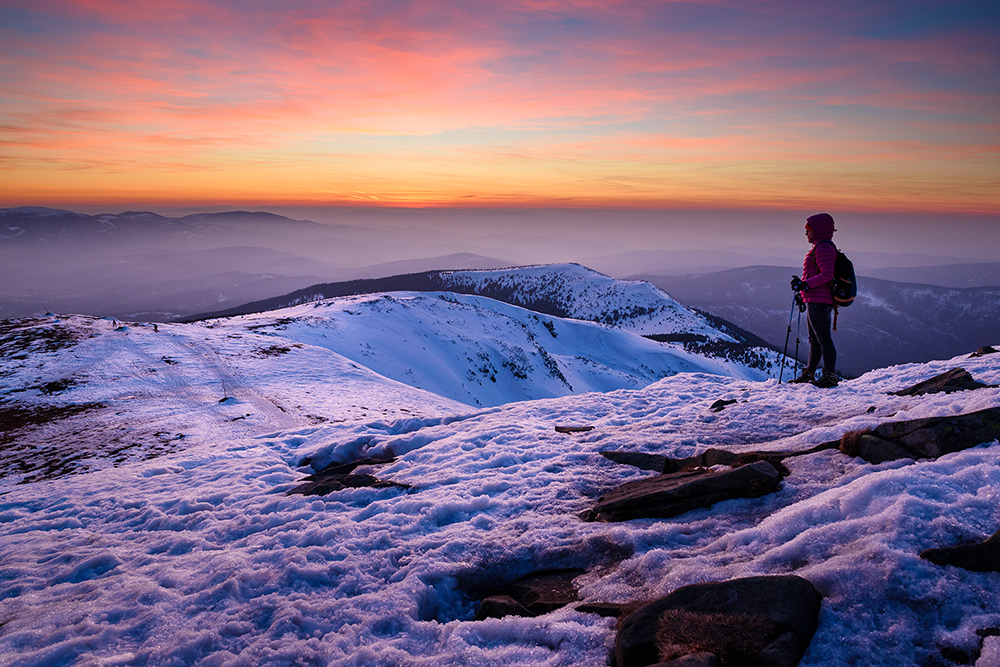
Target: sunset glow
849	105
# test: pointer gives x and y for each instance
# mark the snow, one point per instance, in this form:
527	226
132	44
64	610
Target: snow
198	555
633	305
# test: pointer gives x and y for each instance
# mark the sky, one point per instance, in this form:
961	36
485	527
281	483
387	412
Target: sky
847	106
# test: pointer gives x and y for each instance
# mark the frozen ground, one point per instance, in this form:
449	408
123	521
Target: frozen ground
199	557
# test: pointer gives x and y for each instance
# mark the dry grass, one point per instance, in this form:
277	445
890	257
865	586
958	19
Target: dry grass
850	442
735	639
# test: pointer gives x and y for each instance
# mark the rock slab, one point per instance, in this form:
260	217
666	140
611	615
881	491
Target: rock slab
339	476
763	621
923	438
671	494
978	557
533	595
957	379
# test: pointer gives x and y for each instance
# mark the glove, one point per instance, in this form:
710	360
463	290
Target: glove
799	285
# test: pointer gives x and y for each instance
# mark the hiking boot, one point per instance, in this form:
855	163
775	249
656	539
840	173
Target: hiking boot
807	376
827	380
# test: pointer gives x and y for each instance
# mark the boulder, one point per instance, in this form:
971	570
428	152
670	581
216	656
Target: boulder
926	438
984	350
765	621
574	429
675	493
654	462
329	483
338	476
710	457
978	557
957	379
536	594
691	660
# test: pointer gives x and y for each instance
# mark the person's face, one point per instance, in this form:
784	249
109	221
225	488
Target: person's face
810	234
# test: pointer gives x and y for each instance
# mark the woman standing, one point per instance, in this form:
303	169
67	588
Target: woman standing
816	287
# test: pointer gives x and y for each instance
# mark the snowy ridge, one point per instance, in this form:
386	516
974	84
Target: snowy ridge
199	556
477	350
572	290
563	290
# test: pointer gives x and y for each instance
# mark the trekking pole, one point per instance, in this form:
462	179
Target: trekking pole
788	333
798	327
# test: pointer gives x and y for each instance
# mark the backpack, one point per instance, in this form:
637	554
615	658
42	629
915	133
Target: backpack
845	284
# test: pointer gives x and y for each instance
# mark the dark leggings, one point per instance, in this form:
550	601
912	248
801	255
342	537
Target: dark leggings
819	317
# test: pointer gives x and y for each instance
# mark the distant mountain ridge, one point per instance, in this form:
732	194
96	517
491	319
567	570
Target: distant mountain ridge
144	266
36	223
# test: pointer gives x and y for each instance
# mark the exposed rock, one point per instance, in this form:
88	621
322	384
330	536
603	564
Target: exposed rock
574	429
978	557
765	621
926	438
957	379
721	404
709	458
533	595
654	462
671	494
543	592
691	660
984	350
340	476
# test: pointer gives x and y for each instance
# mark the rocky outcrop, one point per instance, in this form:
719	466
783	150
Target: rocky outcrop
957	379
573	429
675	493
926	438
341	476
978	557
533	595
764	621
707	459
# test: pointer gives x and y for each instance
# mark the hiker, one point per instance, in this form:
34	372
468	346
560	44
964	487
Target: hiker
816	288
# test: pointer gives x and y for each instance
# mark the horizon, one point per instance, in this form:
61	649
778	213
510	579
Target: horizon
557	235
867	108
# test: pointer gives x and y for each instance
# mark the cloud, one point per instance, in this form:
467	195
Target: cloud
230	86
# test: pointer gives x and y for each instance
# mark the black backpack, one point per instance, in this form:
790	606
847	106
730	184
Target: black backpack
845	284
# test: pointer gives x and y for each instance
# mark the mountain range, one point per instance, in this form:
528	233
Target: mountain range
147	267
140	266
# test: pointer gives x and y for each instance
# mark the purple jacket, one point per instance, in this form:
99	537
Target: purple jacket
817	272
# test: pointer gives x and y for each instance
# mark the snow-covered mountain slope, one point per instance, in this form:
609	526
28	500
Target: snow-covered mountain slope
375	356
563	290
112	393
200	556
478	350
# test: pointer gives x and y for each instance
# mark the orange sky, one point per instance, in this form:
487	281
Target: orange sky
865	106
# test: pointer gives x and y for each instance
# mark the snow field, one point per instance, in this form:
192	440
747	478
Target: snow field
200	557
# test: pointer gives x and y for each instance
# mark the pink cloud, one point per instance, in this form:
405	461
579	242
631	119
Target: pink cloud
559	82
